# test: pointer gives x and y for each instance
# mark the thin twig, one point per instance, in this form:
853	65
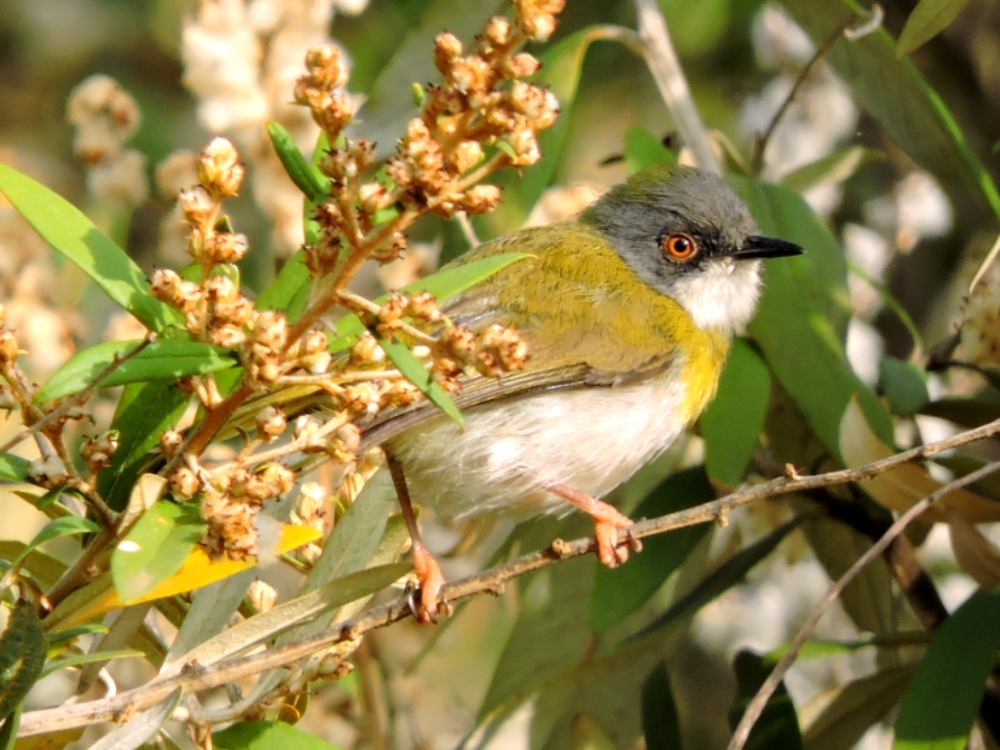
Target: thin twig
194	678
757	705
760	147
669	76
78	398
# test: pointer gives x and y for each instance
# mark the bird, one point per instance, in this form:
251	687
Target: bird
627	311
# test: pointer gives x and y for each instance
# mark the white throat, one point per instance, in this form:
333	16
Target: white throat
722	295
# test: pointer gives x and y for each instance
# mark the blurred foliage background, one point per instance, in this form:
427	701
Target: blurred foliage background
916	229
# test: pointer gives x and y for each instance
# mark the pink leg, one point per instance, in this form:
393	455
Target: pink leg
426	567
608	522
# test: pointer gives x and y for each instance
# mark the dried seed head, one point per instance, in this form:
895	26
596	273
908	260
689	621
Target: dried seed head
447	49
48	472
197	207
271	422
310	503
480	199
219	169
170	441
262	597
499	32
184	482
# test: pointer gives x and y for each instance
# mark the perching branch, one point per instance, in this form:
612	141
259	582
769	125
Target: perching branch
194	678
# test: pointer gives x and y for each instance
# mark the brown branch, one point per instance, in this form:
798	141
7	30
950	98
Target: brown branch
493	580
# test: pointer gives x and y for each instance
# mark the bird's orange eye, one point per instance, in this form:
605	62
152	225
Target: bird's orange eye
679	246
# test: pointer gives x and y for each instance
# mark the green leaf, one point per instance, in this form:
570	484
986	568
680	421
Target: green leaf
22	655
904	384
723	578
308	607
897	96
660	722
287	288
267	735
619	592
733	421
643	149
801	323
417	373
165	359
943	699
76	660
778	725
71	233
547	639
67	526
446	282
833	169
144	411
927	20
14	468
306	177
8	732
155	548
967	412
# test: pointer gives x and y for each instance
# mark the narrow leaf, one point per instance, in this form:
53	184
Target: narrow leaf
13	468
66	526
144	411
64	227
927	20
310	606
619	592
443	284
414	370
306	177
904	385
660	722
941	703
858	706
832	169
895	94
267	735
166	359
778	725
727	575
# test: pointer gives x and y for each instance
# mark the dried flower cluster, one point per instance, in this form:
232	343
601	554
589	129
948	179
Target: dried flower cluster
241	60
481	118
980	326
105	117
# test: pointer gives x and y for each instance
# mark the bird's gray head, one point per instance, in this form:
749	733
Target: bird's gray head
687	235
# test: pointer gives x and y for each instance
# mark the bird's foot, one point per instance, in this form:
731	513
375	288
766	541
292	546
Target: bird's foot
431	582
613	543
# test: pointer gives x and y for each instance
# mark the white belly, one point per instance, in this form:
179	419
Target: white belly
590	440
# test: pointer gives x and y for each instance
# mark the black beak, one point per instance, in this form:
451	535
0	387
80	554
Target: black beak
766	247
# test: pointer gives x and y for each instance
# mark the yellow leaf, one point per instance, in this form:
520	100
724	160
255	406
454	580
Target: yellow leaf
900	488
197	571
